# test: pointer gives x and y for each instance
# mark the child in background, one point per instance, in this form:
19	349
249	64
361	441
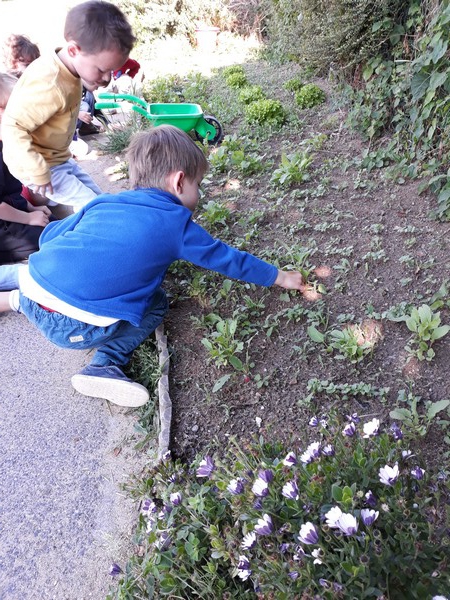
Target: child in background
96	280
18	52
40	119
21	223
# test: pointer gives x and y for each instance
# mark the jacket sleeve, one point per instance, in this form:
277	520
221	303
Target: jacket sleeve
200	248
28	108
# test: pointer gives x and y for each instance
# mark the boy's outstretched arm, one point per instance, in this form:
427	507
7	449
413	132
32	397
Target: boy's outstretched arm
291	280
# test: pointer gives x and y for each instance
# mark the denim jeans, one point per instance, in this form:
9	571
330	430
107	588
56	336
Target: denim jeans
72	185
115	343
9	278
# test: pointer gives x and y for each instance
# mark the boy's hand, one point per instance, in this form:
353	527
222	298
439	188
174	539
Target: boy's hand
43	209
84	116
291	280
38	217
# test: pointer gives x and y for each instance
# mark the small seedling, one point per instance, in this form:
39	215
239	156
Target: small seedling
293	169
426	328
417	422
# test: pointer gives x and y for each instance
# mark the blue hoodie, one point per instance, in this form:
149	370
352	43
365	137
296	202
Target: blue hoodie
110	257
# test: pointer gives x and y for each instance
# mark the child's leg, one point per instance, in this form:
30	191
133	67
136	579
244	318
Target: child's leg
4	302
9	277
117	350
72	185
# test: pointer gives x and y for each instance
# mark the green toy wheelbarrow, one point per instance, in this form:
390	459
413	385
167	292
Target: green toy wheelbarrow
184	116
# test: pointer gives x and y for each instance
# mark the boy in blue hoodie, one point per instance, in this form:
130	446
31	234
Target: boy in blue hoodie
96	280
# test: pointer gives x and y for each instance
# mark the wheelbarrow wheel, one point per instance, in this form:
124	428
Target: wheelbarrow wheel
217	126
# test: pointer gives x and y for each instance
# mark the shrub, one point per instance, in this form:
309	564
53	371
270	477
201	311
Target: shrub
227	71
236	80
265	112
353	515
293	85
309	96
250	94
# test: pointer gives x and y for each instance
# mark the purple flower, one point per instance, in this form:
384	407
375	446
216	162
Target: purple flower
290	460
164	541
328	450
337	587
397	433
114	570
324	422
417	473
371	428
406	454
266	475
293	575
260	487
206	467
311	452
290	490
299	553
236	486
166	456
308	534
369	516
347	524
249	540
313	422
176	498
243	563
353	418
264	526
244	574
388	475
257	505
284	548
324	583
349	429
371	499
332	516
149	506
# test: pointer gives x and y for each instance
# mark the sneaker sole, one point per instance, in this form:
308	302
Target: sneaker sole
122	393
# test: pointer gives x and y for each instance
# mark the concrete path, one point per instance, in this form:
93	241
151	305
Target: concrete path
63	516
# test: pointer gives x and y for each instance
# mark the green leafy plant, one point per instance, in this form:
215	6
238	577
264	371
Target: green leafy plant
426	327
417	416
250	94
293	168
223	341
265	112
236	80
310	95
215	213
352	514
231	70
293	85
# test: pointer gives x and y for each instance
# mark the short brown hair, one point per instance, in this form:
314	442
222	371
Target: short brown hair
7	82
96	26
18	52
153	155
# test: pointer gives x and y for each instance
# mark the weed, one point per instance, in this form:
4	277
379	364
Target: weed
417	422
310	95
426	328
293	168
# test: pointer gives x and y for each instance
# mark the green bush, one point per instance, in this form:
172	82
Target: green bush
309	96
250	94
293	85
236	80
227	71
352	515
265	112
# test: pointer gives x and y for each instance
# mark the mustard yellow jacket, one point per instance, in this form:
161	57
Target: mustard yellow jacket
40	119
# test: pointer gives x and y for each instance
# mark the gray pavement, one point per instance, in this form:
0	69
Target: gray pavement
63	456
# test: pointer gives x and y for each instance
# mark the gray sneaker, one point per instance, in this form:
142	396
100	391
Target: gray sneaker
111	384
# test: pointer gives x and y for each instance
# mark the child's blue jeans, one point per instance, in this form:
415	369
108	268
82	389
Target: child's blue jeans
115	343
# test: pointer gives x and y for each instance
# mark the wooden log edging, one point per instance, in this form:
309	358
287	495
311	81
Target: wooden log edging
165	403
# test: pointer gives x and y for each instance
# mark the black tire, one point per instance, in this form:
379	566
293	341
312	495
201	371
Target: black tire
217	126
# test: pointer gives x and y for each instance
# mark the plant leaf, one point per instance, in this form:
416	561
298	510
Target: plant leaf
436	408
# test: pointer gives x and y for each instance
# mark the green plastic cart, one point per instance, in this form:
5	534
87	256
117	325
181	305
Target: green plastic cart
184	116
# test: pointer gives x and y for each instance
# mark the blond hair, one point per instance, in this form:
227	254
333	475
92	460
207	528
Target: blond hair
7	82
155	154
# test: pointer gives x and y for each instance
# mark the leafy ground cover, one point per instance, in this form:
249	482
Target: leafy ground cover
299	188
308	195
